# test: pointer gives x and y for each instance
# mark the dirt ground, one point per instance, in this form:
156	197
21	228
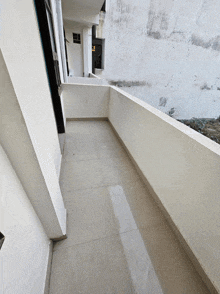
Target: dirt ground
208	127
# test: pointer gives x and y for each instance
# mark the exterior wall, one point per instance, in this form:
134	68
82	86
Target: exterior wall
86	101
91	80
80	12
24	254
182	169
25	62
166	53
43	191
74	51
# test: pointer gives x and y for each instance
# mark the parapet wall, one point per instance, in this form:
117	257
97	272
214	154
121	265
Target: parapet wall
180	167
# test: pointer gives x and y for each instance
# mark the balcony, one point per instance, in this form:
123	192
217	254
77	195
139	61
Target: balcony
142	196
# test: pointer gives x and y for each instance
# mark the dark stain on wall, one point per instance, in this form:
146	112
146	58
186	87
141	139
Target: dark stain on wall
213	43
164	22
163	101
151	19
199	42
216	44
155	35
171	112
205	87
129	83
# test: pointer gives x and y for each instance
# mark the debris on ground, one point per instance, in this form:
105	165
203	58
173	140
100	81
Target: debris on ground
208	127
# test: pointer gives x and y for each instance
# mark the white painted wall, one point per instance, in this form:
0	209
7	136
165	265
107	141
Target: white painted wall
170	49
25	62
24	254
88	15
43	192
182	168
22	51
87	51
86	101
74	51
91	80
58	32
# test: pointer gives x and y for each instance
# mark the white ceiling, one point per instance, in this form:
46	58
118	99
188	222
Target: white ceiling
95	5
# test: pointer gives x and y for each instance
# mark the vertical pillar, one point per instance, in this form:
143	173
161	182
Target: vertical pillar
87	51
61	40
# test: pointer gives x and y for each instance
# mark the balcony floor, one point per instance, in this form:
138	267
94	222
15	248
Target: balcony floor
118	240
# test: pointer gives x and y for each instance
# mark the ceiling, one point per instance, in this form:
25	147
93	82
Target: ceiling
94	5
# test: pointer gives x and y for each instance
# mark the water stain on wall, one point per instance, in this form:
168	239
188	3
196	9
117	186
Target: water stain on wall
163	101
213	43
155	35
129	83
158	18
205	87
199	42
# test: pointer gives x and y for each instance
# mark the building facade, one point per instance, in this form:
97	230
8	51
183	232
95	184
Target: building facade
49	51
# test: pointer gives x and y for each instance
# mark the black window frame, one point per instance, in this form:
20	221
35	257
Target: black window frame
76	38
103	9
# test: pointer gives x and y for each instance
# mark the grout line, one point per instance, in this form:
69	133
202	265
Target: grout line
107	185
93	240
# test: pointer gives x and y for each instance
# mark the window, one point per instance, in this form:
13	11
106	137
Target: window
76	38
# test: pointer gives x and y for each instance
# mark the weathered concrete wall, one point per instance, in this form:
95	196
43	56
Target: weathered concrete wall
165	52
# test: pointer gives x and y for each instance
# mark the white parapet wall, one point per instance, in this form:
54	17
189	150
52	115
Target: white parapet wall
92	80
85	101
182	169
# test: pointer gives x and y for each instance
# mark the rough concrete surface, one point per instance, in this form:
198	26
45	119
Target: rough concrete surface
207	127
156	50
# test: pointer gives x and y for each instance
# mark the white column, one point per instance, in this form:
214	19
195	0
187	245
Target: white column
25	64
61	39
43	193
57	36
87	51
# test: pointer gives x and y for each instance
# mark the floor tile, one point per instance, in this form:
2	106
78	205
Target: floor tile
144	209
121	174
97	267
142	272
118	240
173	267
81	175
90	217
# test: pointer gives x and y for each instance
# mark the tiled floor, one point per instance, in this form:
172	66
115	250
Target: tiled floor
118	240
